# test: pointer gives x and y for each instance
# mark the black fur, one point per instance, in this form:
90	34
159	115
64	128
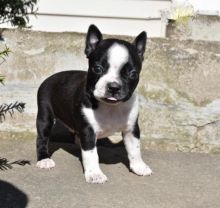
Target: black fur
59	97
136	130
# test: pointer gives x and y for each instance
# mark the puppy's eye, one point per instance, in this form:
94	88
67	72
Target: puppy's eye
133	74
98	69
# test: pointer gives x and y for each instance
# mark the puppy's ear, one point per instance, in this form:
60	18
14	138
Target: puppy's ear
140	44
93	37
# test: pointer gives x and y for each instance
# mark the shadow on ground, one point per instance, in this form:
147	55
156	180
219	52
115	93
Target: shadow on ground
11	196
109	153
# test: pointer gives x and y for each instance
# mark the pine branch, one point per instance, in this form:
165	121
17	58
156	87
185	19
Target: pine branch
5	108
5	52
2	79
3	55
5	164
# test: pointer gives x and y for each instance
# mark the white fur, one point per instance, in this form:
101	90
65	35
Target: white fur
133	114
132	146
105	121
108	119
117	57
93	173
46	163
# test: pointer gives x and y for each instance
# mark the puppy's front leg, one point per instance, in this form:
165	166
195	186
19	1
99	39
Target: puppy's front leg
132	145
90	158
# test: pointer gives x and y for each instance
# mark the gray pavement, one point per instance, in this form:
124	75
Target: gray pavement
180	180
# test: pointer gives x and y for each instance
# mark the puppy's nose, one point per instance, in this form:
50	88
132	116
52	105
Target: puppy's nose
113	87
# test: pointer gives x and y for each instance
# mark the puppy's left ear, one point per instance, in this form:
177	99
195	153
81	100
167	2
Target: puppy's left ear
140	44
93	37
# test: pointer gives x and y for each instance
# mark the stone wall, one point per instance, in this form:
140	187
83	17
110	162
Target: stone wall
179	88
180	93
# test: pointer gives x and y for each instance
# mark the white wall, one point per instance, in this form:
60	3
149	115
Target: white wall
123	17
120	17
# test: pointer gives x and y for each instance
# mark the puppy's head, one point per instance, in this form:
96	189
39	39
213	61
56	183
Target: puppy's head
114	66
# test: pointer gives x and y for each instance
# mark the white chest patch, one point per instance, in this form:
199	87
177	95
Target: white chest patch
117	58
108	119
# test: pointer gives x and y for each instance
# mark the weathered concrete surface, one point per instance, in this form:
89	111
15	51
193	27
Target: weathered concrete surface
179	87
198	27
180	95
180	180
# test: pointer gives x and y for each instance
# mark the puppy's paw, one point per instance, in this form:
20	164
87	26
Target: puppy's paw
95	176
140	168
46	163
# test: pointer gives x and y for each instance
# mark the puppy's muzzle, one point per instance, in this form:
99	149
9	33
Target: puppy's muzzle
113	88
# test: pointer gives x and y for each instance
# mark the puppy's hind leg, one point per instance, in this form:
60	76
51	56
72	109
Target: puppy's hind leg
44	126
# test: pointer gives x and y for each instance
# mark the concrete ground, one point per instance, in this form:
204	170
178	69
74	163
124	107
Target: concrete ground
180	180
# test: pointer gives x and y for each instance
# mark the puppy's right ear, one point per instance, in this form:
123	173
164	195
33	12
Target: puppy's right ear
93	37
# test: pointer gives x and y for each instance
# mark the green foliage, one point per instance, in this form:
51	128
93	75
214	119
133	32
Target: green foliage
2	79
16	11
5	108
5	164
3	55
5	52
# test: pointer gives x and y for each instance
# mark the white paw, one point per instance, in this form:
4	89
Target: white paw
46	163
140	168
95	176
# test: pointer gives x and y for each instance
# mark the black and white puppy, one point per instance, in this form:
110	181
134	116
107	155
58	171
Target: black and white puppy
95	104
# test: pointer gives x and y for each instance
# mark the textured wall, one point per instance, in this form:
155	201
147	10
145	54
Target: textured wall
179	87
180	93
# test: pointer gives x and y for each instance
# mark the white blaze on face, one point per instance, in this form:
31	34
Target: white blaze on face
117	57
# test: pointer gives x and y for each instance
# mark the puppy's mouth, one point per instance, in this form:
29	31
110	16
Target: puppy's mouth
111	100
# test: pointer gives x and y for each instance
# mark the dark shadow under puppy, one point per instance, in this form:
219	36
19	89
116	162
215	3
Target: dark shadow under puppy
109	153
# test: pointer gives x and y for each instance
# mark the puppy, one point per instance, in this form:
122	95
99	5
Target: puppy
95	104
